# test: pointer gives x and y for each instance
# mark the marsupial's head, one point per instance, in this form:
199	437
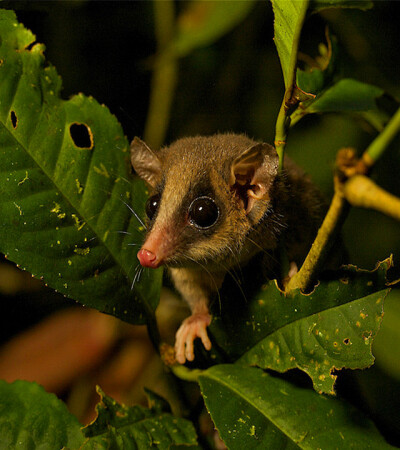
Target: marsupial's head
207	194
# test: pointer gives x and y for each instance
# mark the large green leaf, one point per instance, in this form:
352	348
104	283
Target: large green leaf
289	18
66	201
252	409
201	23
331	328
323	342
31	418
120	427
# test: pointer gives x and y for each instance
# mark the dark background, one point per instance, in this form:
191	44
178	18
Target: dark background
106	49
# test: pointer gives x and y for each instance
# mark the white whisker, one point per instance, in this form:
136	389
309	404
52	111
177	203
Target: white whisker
134	213
138	271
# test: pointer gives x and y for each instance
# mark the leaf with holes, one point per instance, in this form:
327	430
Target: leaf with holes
66	197
252	409
33	418
118	426
329	329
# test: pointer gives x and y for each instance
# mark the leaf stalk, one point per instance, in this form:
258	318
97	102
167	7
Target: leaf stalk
381	142
186	374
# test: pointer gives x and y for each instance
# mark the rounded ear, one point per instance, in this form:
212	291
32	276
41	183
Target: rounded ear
145	162
253	172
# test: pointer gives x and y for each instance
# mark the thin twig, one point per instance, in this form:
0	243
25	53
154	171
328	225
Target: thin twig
316	257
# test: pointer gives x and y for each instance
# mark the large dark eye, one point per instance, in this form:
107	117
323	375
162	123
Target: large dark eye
152	205
203	212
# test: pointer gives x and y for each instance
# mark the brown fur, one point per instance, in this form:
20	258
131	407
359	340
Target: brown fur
286	205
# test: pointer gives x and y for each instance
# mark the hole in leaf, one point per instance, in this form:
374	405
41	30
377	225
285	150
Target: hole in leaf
14	119
81	135
30	46
346	341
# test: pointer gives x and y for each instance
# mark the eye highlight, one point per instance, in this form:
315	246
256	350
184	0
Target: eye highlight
203	212
152	205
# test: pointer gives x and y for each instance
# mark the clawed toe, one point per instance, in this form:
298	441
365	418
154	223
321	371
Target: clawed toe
192	328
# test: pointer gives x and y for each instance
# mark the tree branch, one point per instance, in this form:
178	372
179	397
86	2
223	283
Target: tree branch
362	192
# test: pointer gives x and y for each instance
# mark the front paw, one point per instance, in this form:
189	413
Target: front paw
193	327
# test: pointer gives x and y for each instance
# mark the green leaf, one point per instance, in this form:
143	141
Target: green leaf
202	23
289	18
31	418
387	354
329	329
252	409
118	426
66	193
324	342
318	5
349	96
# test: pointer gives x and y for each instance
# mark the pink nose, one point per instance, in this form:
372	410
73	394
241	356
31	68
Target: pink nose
148	258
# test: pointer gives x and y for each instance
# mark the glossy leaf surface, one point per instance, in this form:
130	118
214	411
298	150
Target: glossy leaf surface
66	194
331	328
252	409
33	418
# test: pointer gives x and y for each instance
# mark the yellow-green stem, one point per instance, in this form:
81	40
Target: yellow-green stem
281	130
315	259
186	374
379	144
362	192
164	76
